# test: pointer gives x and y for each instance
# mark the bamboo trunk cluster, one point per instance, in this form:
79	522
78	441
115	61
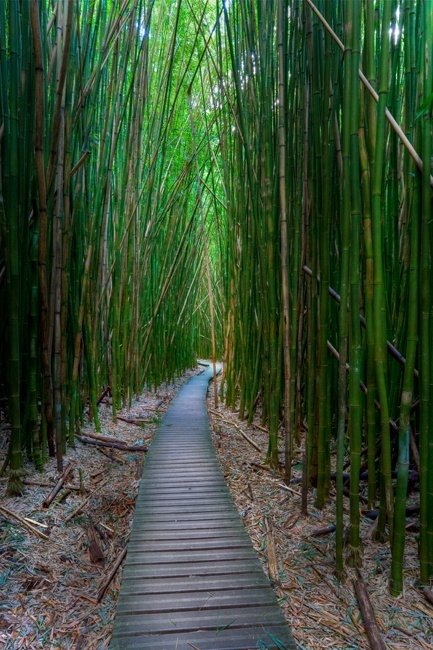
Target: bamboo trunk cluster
102	229
329	246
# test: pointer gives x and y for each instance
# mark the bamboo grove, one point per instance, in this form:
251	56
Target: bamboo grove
245	179
329	247
103	224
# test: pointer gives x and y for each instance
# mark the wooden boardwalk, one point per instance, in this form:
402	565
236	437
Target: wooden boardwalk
191	579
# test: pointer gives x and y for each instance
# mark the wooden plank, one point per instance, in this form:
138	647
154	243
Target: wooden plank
154	623
182	476
184	498
190	482
181	465
183	508
137	603
146	545
218	567
189	459
172	585
184	480
178	470
274	638
179	526
163	490
179	557
189	517
182	493
226	535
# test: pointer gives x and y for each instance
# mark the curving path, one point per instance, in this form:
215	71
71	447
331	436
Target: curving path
191	579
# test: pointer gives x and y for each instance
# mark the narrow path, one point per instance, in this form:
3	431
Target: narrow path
191	578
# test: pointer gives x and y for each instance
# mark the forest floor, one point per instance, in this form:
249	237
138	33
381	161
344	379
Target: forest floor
321	612
52	592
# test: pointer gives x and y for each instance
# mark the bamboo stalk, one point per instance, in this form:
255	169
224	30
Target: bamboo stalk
375	95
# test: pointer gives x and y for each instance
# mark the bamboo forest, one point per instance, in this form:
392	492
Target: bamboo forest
242	181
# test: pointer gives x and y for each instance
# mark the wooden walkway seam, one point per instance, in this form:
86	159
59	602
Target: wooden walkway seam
191	579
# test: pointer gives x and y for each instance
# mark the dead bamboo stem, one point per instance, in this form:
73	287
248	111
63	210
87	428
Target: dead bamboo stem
8	514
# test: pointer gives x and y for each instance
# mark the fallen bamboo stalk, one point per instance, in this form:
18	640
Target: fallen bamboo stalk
289	489
96	436
78	509
88	598
272	554
271	470
372	630
136	421
74	488
259	427
103	588
238	428
110	530
56	489
111	456
111	445
326	530
155	408
63	496
8	514
34	522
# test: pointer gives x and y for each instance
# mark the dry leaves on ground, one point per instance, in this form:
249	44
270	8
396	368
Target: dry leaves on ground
49	588
321	612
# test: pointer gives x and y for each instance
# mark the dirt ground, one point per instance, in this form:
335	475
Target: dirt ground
53	594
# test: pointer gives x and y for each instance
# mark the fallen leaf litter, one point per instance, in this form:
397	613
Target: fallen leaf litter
321	612
49	588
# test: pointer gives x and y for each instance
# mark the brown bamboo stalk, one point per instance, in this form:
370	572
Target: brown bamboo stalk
67	33
8	514
43	221
56	489
372	630
106	583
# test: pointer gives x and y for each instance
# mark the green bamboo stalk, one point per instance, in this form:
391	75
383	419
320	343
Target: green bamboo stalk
323	198
343	316
426	367
10	194
399	528
379	301
371	417
282	166
43	223
355	355
33	419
